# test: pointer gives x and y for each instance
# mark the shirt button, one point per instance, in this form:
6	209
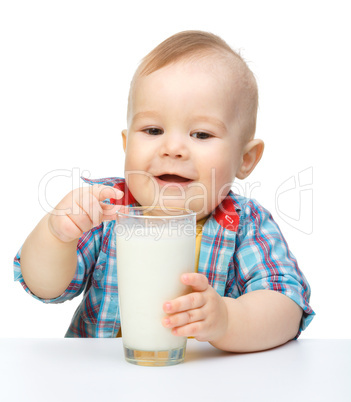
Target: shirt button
97	274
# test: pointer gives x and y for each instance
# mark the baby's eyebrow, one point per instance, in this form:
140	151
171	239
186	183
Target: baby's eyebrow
147	114
196	119
211	120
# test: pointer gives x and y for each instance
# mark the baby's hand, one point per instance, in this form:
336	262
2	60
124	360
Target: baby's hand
201	314
81	210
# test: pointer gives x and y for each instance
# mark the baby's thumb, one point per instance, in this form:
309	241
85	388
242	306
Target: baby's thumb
111	194
102	192
109	211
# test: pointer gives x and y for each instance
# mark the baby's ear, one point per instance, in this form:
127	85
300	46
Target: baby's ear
252	154
124	138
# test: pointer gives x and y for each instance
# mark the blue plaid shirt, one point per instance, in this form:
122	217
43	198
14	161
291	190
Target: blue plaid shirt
242	250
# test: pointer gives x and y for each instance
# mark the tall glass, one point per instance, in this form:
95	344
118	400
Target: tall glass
154	248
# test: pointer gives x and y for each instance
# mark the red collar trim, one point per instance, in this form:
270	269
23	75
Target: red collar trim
226	214
128	197
118	183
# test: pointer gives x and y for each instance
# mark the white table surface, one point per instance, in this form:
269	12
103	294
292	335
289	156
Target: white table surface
53	370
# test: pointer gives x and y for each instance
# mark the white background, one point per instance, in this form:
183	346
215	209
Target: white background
64	77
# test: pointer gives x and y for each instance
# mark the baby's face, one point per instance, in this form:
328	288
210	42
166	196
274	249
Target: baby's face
183	144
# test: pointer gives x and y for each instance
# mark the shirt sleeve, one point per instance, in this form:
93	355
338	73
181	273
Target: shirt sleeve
87	251
263	260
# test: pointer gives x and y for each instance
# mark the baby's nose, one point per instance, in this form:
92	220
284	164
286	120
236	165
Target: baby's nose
174	146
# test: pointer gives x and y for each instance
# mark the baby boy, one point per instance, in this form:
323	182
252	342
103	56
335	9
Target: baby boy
191	124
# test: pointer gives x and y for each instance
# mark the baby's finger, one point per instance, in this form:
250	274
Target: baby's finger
64	228
184	303
109	211
198	282
186	317
80	218
102	192
194	329
91	206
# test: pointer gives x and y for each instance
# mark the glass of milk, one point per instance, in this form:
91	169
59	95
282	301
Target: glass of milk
155	247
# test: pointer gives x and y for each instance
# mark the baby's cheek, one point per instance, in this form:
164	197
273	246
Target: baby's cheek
138	186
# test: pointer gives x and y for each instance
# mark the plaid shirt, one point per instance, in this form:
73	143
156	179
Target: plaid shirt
242	250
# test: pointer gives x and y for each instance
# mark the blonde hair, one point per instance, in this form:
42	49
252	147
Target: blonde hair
195	44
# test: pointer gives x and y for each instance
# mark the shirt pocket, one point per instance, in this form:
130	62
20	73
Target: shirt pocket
94	294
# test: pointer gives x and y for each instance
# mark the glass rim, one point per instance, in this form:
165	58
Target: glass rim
186	212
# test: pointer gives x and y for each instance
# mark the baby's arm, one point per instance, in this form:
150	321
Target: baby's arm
255	321
259	320
49	254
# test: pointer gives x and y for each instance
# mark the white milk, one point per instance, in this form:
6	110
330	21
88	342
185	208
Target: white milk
148	275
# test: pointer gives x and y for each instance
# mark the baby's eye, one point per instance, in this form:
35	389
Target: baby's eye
153	131
201	136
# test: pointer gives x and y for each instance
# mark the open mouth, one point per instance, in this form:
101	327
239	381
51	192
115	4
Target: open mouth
173	178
